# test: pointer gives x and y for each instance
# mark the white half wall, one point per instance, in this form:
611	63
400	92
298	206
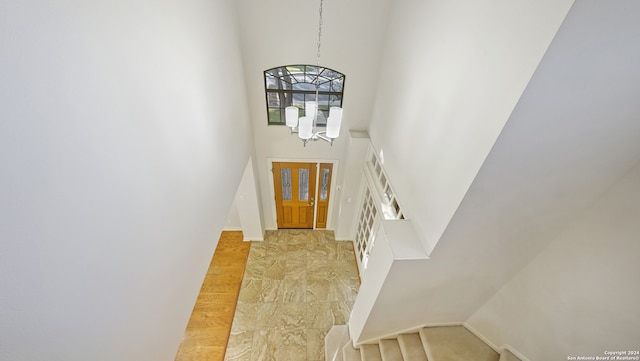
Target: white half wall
580	295
248	206
233	218
119	163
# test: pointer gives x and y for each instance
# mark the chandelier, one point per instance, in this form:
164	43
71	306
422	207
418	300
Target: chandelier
306	126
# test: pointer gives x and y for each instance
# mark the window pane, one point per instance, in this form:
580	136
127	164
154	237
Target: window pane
304	87
396	206
300	77
324	184
336	85
275	115
310	97
273	99
330	74
285	173
298	101
322	118
295	68
285	99
286	83
383	179
324	85
388	193
323	101
312	69
335	101
271	81
303	184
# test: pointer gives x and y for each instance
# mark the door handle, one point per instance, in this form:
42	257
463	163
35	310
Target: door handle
310	204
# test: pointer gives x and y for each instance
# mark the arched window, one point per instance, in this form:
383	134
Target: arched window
292	85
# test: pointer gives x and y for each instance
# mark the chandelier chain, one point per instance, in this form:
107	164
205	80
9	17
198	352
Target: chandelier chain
315	117
319	32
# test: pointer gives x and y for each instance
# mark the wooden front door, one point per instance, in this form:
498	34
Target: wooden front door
295	188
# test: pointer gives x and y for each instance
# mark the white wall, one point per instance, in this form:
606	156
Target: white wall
580	296
120	156
451	75
348	196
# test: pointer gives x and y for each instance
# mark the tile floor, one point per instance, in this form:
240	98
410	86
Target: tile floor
296	286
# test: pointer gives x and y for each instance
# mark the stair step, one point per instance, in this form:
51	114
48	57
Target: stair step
350	354
455	343
390	350
411	347
370	353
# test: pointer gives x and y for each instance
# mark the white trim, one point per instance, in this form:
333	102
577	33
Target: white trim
481	337
514	352
333	192
492	345
232	229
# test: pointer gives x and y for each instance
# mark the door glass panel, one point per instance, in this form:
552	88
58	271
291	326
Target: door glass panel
303	184
324	184
285	173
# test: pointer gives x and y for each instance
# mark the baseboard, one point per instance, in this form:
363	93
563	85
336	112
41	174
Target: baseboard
443	324
481	336
514	352
492	345
231	229
253	239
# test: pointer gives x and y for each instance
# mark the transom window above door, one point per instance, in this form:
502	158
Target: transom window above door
293	85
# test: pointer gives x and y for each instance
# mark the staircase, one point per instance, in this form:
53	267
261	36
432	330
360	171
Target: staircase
447	343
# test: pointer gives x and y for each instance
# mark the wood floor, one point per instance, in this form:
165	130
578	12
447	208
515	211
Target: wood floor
208	330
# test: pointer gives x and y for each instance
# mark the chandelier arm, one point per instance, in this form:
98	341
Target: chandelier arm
326	139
